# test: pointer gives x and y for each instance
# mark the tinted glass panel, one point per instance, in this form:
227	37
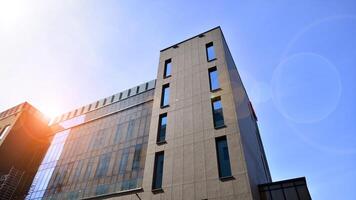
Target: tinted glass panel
214	80
103	165
165	95
158	171
210	52
167	68
161	136
137	157
218	116
223	157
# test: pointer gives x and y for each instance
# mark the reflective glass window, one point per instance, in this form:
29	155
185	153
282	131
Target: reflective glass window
158	171
167	68
223	158
162	124
210	52
165	95
218	116
214	79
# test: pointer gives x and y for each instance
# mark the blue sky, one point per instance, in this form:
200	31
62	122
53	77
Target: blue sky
296	58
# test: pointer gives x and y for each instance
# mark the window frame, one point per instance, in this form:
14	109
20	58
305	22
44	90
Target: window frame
159	139
157	188
208	45
218	152
213	100
163	94
210	70
166	62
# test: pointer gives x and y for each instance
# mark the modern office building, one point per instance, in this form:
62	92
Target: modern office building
189	134
23	142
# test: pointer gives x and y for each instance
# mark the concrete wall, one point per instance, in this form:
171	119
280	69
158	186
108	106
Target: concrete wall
190	163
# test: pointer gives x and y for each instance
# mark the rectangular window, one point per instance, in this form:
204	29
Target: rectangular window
158	171
112	98
218	116
210	52
103	165
165	96
214	79
123	162
104	103
222	153
137	157
167	68
162	125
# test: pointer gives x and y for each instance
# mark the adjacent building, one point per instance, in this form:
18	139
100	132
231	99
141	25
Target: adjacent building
189	134
24	140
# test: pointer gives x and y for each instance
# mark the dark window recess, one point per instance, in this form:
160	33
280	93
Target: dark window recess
214	79
162	125
165	95
210	51
75	112
137	89
128	94
103	165
118	134
146	87
89	107
112	98
120	96
167	68
218	115
137	157
222	153
97	104
104	103
123	162
158	171
81	112
130	129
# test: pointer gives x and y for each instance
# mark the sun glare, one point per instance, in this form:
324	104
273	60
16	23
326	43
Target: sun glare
11	11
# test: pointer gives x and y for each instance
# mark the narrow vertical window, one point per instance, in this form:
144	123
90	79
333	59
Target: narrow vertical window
104	103
210	52
167	68
214	79
137	157
165	96
158	171
223	157
162	125
218	116
112	98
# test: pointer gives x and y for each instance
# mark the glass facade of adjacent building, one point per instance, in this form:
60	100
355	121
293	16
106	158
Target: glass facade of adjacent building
97	153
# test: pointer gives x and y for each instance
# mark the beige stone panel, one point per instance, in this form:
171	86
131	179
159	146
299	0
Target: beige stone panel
212	188
168	167
199	161
210	159
200	190
187	120
177	192
188	160
188	191
178	165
